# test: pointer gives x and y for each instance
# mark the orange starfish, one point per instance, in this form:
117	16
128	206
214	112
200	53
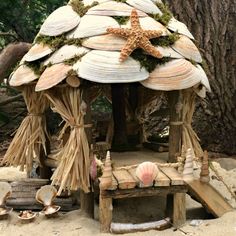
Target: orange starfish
136	38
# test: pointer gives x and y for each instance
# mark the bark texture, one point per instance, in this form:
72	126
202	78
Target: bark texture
212	22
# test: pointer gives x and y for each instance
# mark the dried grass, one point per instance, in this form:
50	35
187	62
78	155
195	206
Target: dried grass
31	136
73	170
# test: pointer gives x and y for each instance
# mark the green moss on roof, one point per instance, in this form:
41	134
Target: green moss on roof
122	20
79	7
74	59
71	73
165	17
124	1
37	66
165	41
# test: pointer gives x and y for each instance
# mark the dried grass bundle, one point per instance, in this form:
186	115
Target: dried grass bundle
31	136
73	170
190	138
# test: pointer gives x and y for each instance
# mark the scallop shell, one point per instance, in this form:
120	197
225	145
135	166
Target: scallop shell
52	76
176	74
27	215
146	6
148	23
37	51
60	21
187	48
50	210
107	42
64	53
94	66
5	192
23	75
112	8
5	210
179	27
92	26
168	52
46	194
146	173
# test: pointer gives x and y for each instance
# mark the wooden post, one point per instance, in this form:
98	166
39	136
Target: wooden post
179	212
105	213
87	199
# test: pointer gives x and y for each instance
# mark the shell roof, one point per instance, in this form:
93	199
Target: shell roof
74	37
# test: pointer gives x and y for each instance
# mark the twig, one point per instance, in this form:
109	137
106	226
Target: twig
11	99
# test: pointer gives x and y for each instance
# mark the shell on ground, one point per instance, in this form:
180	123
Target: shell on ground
23	75
112	8
148	23
50	210
46	194
187	48
179	27
64	53
94	67
60	21
107	42
146	173
5	192
27	215
93	25
146	6
38	51
176	74
52	76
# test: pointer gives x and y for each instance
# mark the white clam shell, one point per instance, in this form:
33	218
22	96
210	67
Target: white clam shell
179	27
146	173
168	52
187	48
146	6
5	192
23	75
46	195
204	79
64	53
50	210
112	8
107	42
176	74
38	51
105	67
60	21
52	76
93	25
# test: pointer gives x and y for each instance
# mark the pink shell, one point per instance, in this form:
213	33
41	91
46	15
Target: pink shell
147	172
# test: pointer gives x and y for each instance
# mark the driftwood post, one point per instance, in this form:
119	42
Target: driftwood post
175	203
87	199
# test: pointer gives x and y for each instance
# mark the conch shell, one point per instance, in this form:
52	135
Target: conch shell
106	179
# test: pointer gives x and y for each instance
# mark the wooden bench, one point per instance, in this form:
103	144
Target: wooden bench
126	185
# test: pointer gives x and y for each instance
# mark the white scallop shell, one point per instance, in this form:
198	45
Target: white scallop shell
112	8
146	173
23	75
176	74
168	52
5	192
37	51
107	42
187	48
93	25
64	53
179	27
52	76
50	210
148	23
146	6
60	21
46	194
105	67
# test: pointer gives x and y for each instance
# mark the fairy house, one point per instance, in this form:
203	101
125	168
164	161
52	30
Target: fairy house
86	48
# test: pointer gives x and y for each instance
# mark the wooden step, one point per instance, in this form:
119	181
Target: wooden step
173	175
124	179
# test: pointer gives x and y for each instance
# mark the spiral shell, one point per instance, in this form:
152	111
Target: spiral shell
188	166
106	179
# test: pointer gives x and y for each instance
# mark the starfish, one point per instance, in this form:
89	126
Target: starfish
136	38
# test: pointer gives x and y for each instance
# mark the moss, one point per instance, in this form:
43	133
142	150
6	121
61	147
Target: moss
165	41
71	73
124	1
122	20
36	66
147	61
79	7
165	17
73	60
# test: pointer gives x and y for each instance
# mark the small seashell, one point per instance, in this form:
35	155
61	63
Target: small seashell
5	210
188	166
52	76
106	178
146	173
46	194
23	75
50	210
60	21
26	215
204	175
5	192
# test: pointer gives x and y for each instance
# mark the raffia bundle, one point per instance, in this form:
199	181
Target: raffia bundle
73	170
190	138
31	135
